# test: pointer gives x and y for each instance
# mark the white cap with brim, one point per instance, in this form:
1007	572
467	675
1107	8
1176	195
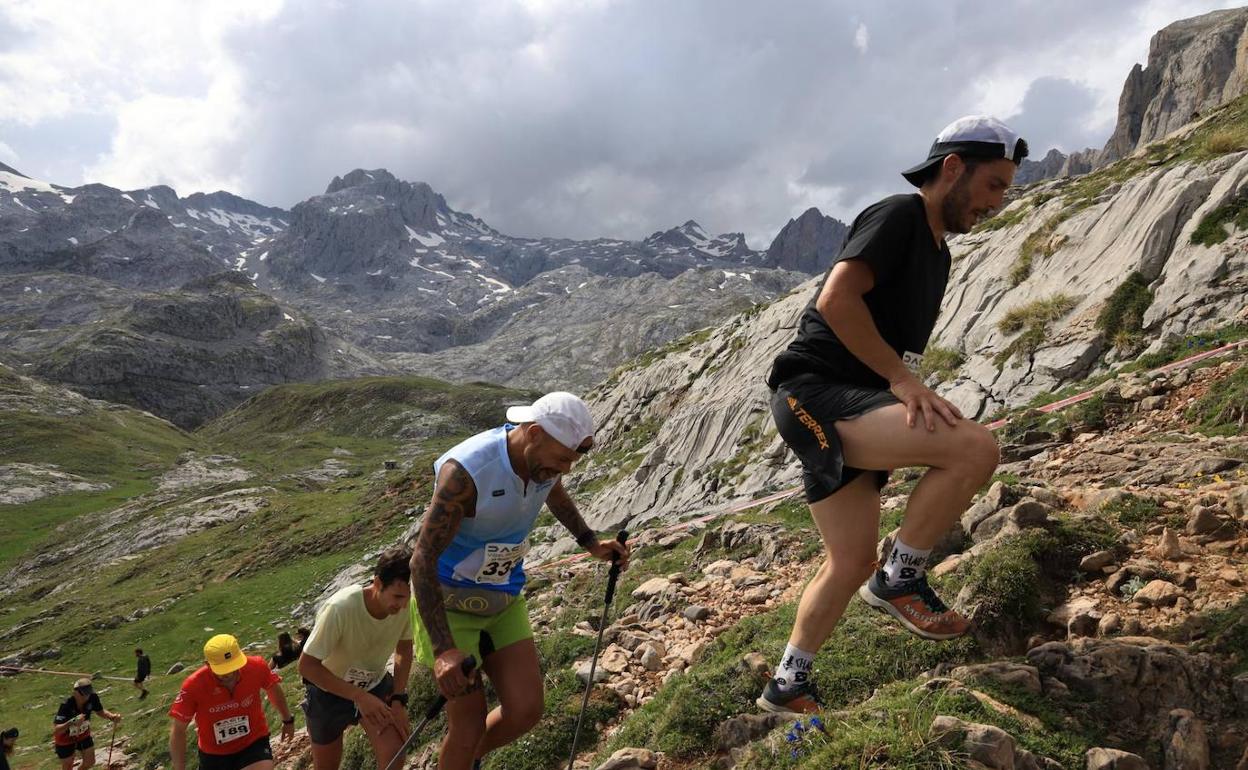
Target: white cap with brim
974	136
563	415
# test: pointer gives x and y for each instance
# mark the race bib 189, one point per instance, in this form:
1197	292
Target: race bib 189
231	729
499	560
359	677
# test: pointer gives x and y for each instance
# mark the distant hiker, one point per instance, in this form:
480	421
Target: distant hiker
847	399
301	638
467	568
8	744
222	697
286	653
71	727
143	669
344	664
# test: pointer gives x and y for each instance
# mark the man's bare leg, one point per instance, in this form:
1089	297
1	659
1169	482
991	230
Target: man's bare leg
960	459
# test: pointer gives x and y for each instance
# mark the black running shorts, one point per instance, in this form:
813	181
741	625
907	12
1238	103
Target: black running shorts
806	409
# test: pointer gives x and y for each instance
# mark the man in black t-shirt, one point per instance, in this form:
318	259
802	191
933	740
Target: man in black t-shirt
142	670
848	401
71	727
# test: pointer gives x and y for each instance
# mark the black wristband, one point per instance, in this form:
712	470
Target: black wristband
290	720
401	697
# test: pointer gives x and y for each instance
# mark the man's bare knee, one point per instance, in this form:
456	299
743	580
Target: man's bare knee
524	716
977	454
855	567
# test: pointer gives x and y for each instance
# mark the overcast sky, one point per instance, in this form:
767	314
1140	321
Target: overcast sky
555	117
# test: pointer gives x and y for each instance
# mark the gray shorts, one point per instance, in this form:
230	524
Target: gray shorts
328	716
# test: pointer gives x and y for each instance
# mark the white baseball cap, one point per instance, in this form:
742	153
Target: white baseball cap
973	136
564	416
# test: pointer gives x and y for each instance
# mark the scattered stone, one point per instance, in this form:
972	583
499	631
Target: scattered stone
756	595
1113	759
631	759
1168	546
1158	593
1188	745
1016	674
1109	624
651	588
582	673
1095	562
745	729
1203	521
696	612
1077	606
756	663
1084	624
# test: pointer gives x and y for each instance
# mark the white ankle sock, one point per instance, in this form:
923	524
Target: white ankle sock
794	668
905	563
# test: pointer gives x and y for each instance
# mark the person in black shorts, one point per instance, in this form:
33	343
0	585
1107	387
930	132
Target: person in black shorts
143	669
71	727
847	399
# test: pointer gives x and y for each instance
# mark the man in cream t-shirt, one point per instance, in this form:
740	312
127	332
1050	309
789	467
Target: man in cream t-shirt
344	664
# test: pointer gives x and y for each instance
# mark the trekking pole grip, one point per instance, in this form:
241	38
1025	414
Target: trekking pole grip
467	666
614	574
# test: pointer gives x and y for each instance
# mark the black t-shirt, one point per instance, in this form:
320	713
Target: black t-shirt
4	759
145	668
69	709
893	237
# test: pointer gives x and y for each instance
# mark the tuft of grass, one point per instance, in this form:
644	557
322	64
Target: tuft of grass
1212	228
1223	410
1040	311
941	363
1222	141
1132	510
1008	218
1033	320
1041	243
1014	582
893	730
1123	313
682	717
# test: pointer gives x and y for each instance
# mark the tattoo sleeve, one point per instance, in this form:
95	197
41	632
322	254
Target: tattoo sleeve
560	504
454	497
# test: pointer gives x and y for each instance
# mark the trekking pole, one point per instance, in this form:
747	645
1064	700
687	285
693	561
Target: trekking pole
111	741
612	577
467	666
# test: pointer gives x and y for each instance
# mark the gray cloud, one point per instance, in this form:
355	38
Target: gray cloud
621	118
1054	114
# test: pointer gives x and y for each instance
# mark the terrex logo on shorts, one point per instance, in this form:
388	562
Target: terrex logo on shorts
810	422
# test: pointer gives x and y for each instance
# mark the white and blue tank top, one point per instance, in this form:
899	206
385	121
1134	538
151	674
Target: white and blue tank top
488	551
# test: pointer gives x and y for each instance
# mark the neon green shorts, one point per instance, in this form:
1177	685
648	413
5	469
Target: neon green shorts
475	635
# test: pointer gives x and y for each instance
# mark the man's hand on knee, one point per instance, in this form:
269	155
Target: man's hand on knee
920	400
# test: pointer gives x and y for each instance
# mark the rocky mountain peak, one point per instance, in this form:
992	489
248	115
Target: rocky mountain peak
160	197
360	178
807	244
1193	65
149	221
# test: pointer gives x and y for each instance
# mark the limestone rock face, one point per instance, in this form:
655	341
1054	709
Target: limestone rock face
1193	65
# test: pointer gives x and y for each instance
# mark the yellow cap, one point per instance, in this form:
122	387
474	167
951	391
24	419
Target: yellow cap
223	654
